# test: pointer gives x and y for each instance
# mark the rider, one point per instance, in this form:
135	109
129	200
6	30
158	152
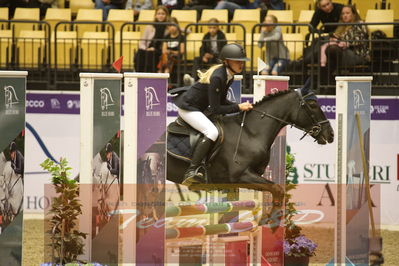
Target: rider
209	93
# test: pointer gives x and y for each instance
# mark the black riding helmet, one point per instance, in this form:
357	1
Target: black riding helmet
233	51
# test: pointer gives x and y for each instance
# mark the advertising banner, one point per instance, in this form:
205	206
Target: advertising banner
12	152
106	169
145	165
100	164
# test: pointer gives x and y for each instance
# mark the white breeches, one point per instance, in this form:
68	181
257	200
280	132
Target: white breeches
200	122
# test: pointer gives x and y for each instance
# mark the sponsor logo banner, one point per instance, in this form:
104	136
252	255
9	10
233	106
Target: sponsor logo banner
58	103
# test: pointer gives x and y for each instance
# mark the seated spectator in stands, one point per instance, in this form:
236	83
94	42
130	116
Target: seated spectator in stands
171	4
106	5
172	50
138	5
200	5
349	45
150	45
277	55
212	43
326	12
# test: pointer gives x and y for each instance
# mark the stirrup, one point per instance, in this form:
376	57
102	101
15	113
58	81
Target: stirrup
196	177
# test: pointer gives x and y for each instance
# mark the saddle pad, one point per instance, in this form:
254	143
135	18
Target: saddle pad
179	146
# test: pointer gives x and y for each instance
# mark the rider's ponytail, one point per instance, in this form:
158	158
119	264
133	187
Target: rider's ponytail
205	77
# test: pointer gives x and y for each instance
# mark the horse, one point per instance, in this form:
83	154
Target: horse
255	138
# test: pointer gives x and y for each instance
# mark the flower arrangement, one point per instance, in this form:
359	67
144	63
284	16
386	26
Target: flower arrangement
300	246
295	243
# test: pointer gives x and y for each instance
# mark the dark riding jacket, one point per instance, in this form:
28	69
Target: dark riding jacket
200	96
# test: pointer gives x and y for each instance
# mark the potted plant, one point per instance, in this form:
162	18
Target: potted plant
297	247
67	241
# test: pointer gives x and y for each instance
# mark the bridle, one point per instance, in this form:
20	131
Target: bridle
314	131
316	125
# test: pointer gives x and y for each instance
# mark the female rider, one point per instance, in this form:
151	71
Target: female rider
209	93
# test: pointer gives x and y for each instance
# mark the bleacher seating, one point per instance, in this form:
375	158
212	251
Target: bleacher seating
221	14
3	16
25	14
90	15
55	15
90	46
380	15
75	5
248	18
363	6
185	17
5	47
93	54
31	48
304	17
394	5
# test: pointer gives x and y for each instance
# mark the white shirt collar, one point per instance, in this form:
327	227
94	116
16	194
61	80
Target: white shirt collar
229	75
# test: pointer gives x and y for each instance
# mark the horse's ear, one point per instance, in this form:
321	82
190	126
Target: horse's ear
299	91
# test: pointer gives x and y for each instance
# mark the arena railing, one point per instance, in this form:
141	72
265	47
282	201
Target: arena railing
81	46
25	45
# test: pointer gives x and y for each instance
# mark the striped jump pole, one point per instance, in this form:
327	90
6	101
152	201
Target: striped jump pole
208	208
213	229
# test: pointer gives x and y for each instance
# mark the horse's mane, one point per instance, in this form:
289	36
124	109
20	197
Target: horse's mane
271	96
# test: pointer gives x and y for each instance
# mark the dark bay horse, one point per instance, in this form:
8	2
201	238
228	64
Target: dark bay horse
261	126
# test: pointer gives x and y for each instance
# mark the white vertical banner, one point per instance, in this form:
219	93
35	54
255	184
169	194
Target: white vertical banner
100	97
352	214
144	166
272	251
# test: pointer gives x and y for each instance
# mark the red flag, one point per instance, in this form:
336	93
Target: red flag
118	64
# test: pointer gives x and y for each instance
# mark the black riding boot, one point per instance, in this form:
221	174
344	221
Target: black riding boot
201	150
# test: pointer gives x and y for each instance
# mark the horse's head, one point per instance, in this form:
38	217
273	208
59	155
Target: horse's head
312	120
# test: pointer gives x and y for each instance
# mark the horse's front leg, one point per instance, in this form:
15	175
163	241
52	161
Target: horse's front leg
250	179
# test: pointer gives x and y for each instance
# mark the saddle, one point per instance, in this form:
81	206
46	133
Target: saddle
182	140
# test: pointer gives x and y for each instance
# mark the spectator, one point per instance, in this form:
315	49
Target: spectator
212	43
138	5
106	5
171	4
277	55
349	45
172	50
326	12
150	45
